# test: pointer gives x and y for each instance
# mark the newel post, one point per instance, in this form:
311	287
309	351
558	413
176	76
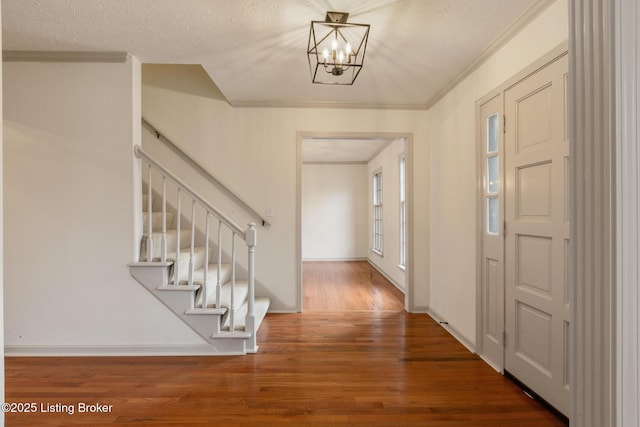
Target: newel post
251	243
251	236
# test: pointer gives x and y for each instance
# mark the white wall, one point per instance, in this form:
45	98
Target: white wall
254	149
453	176
68	219
334	211
388	161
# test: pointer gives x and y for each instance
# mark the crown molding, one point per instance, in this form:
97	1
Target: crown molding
325	104
62	56
334	163
522	21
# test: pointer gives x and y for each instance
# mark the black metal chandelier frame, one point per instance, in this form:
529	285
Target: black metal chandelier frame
336	66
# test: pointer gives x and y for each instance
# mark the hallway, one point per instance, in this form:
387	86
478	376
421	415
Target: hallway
347	286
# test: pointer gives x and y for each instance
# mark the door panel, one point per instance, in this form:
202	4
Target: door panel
537	233
490	137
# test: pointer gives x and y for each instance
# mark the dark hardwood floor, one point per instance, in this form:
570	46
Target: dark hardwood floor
316	368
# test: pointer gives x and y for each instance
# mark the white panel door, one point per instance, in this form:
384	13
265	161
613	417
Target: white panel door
537	234
490	137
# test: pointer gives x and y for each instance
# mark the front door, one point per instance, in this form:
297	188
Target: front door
536	241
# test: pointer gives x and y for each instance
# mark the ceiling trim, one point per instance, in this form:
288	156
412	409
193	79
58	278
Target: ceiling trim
523	20
345	163
62	56
328	104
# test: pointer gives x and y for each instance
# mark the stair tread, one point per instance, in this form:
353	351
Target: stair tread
205	311
185	254
260	309
178	288
234	334
240	294
150	264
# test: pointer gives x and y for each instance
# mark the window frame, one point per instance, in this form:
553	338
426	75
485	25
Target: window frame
377	213
402	170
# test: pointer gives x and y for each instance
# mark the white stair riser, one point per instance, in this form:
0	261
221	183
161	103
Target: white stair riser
212	282
183	264
260	308
171	237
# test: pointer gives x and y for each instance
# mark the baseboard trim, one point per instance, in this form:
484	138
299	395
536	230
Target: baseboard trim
333	259
282	311
386	276
116	350
465	341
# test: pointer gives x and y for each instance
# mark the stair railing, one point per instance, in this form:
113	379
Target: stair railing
248	236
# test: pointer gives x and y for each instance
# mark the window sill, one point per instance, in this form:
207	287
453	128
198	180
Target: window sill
402	267
375	251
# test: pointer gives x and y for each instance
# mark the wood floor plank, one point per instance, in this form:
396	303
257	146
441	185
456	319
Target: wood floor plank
347	286
313	369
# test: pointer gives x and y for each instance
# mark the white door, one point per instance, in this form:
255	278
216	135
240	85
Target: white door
537	233
490	137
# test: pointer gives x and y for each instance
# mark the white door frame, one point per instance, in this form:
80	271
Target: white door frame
408	138
604	64
627	339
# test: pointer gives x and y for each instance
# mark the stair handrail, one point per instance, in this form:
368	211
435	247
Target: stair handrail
141	154
174	147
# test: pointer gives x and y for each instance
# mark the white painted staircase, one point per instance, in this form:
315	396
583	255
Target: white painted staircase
175	266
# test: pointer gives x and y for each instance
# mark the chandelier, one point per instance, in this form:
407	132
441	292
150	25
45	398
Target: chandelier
336	49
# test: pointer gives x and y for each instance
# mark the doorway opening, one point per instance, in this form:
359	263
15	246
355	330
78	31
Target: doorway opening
353	238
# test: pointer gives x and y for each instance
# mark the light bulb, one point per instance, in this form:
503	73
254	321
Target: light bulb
325	54
348	49
334	45
341	56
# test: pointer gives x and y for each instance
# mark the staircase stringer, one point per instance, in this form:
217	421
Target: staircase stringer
175	298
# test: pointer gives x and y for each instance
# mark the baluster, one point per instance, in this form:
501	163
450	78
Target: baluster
163	241
219	266
206	263
232	304
176	264
150	218
251	237
193	238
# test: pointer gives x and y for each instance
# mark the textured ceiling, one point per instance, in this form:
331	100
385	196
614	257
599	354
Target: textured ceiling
255	50
341	150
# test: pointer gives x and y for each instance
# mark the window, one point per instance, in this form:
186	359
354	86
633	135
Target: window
403	213
377	212
492	176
